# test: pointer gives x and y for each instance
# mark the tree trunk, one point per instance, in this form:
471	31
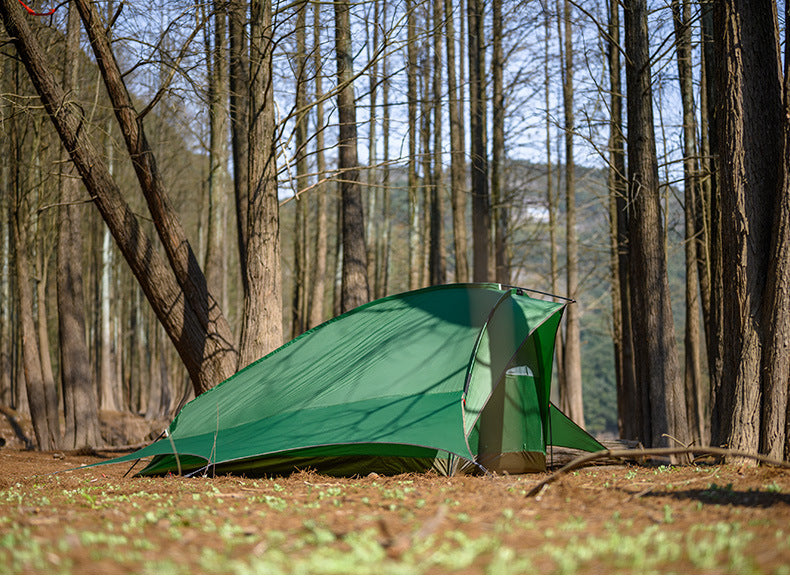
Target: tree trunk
355	291
299	304
775	440
695	400
552	196
219	179
500	221
571	397
628	407
34	379
457	156
321	192
263	309
239	122
658	373
481	219
386	226
415	246
79	393
751	139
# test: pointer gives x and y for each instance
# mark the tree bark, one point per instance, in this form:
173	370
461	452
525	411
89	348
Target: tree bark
354	289
239	122
751	139
415	246
436	260
457	157
628	408
571	401
219	154
31	361
695	399
658	373
500	221
299	304
263	305
321	193
481	218
79	388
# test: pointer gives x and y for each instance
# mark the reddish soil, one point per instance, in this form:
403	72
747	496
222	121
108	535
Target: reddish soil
606	519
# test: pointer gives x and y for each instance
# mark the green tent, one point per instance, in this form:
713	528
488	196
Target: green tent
444	377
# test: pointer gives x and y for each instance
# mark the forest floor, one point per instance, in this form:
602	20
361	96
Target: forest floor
700	518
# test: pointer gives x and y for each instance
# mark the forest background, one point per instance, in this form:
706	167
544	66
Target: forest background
188	185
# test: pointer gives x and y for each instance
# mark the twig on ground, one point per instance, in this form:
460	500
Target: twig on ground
659	452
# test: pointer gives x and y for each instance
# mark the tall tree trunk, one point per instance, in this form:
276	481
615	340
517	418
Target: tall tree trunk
218	179
457	156
552	195
481	219
372	171
41	259
571	396
775	440
321	192
201	337
751	139
628	407
500	222
79	393
299	305
34	379
239	122
711	113
263	305
355	291
413	188
695	401
386	226
437	265
658	372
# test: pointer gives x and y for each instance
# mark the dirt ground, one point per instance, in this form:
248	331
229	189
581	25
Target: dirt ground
701	518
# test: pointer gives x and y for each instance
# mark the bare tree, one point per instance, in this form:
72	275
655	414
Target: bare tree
262	318
481	219
695	399
750	137
79	389
321	241
571	395
628	406
355	291
457	157
658	372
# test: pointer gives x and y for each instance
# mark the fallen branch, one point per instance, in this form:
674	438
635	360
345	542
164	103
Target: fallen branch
642	453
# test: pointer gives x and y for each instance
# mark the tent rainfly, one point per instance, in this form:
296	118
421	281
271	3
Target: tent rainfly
446	377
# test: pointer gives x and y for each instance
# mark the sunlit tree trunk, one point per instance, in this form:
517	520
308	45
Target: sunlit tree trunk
500	221
413	188
80	403
219	155
457	156
628	406
481	219
354	288
751	141
31	361
655	350
571	396
695	400
262	318
321	193
299	304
